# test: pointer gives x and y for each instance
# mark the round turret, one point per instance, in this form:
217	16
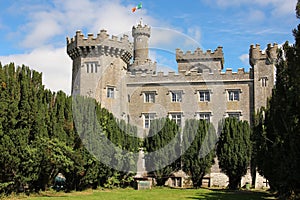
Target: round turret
272	53
254	54
141	35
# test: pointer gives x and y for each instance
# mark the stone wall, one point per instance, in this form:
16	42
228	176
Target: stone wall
101	63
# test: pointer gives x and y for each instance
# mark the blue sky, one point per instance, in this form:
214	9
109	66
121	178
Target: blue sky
33	32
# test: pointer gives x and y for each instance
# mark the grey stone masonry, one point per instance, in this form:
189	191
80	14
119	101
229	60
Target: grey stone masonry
199	60
133	90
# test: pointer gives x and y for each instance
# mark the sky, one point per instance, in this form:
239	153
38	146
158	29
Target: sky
33	32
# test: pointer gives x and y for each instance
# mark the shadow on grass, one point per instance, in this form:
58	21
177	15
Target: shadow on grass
220	194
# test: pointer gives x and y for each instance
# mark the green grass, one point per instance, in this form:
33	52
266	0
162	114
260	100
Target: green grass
157	193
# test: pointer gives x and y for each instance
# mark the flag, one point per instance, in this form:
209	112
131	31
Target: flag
139	6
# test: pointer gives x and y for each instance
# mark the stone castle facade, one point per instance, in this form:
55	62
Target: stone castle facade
119	74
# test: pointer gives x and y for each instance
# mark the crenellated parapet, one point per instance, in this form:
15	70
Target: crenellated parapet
199	55
141	30
102	44
256	54
189	77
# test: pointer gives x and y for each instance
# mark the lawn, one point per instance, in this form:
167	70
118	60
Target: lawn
157	193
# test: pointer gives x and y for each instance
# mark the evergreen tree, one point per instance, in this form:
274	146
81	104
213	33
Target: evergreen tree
199	138
234	149
37	136
278	158
162	149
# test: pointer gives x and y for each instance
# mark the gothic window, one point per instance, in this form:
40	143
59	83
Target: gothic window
176	96
148	117
110	92
177	117
149	97
233	95
204	95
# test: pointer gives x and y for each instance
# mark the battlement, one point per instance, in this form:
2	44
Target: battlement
199	55
189	77
101	44
141	30
256	54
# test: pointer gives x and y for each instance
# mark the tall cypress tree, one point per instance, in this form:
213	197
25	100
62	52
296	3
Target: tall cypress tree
162	149
234	149
280	139
199	138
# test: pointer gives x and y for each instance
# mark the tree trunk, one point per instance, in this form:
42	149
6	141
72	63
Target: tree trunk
234	183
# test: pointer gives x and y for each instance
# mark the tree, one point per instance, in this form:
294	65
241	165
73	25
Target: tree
38	138
199	139
162	147
280	138
234	149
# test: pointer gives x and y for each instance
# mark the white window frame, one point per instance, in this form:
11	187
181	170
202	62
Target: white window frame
149	97
234	114
177	117
110	92
206	95
176	96
204	116
234	95
147	118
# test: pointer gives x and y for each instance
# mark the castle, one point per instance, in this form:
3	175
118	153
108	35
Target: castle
119	74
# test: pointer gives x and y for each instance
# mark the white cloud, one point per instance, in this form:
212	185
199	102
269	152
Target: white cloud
52	23
67	16
43	34
287	7
278	7
169	40
255	15
245	59
164	36
195	33
54	64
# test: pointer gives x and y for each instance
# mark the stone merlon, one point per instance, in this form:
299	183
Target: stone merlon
102	43
173	77
141	30
270	54
199	55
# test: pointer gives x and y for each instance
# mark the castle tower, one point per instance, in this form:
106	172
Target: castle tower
199	60
141	61
263	73
99	68
141	35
